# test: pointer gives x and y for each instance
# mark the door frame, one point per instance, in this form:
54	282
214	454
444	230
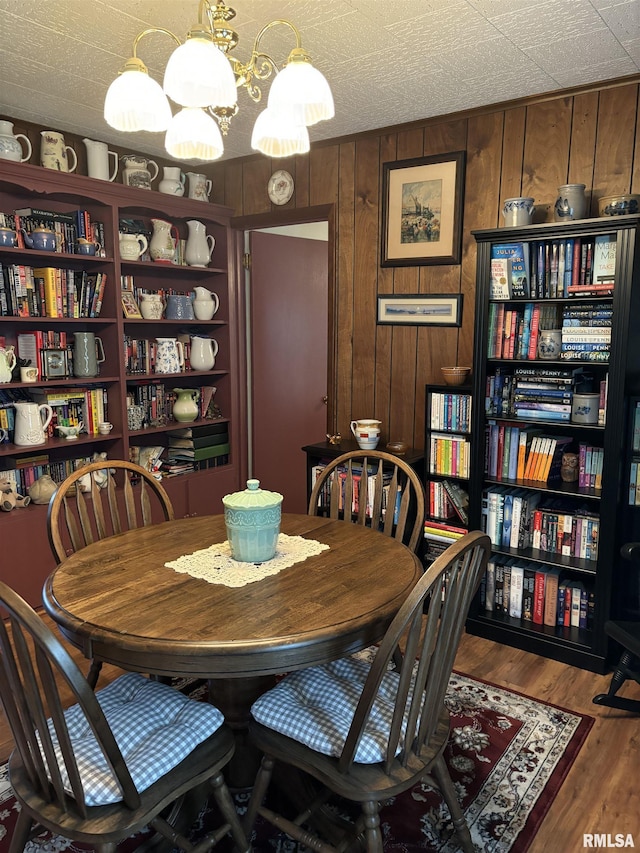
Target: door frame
294	216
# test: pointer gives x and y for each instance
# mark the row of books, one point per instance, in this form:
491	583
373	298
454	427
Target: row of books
634	483
324	498
541	394
516	452
50	292
25	470
516	518
451	411
157	401
441	532
536	593
449	455
551	269
68	227
447	499
195	444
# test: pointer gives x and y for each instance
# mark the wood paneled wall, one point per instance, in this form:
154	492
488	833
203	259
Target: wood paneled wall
529	148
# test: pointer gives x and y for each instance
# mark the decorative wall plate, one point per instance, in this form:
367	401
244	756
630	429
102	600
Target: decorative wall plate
280	187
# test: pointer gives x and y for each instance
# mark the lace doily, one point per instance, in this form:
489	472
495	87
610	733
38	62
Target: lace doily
216	565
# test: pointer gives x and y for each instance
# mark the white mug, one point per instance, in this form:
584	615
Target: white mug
104	428
28	374
366	432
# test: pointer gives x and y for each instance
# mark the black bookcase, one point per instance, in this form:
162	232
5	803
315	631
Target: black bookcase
607	500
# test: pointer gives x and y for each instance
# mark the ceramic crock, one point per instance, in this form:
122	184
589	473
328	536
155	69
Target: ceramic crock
253	519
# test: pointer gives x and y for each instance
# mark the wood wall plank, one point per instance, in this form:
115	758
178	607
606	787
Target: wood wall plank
615	143
345	264
512	158
546	154
583	142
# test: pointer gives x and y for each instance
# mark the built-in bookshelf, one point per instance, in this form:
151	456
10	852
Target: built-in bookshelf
448	461
554	365
62	279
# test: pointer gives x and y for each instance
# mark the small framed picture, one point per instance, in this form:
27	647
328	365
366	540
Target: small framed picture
434	309
130	306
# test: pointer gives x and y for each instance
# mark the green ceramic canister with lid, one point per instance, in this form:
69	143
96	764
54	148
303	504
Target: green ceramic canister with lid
253	518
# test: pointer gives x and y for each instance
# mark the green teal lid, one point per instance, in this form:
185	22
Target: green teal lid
253	497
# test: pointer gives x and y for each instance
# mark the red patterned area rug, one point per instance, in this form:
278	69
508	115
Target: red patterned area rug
508	755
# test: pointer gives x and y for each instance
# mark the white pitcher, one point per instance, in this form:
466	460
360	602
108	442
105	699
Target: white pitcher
31	421
199	246
53	152
173	181
203	353
162	247
7	363
10	145
132	246
205	303
199	186
98	155
169	355
138	171
366	432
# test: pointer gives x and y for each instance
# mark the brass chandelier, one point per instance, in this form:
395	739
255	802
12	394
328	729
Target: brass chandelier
203	77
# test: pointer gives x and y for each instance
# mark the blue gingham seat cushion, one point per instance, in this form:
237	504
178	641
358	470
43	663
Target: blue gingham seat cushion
154	725
315	706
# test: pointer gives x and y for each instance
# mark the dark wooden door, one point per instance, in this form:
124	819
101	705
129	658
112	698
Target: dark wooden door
289	322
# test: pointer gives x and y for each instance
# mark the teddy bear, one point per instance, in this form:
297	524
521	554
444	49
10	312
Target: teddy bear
9	499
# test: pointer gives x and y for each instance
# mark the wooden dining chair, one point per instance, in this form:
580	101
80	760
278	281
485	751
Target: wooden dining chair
106	767
76	518
369	731
383	491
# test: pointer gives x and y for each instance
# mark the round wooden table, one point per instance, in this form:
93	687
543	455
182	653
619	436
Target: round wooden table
116	601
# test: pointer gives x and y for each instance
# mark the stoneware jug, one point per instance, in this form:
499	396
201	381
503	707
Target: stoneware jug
98	156
132	246
172	182
205	303
550	344
203	353
185	408
138	171
41	238
518	211
162	247
54	154
199	244
10	145
366	432
199	186
169	355
7	363
151	306
571	203
31	421
88	353
179	307
8	237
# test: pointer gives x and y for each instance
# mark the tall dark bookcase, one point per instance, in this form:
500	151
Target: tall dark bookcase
615	373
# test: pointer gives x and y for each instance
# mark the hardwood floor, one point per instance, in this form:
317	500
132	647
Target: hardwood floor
600	794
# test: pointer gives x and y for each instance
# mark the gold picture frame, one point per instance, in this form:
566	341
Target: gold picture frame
130	307
422	210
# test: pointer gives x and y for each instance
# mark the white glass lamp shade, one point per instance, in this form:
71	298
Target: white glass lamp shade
198	74
193	135
301	87
135	102
275	135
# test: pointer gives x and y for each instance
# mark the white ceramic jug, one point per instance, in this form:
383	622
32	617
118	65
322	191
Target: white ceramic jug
203	353
98	156
138	172
7	363
366	432
31	422
199	244
199	186
169	355
53	152
162	247
132	246
173	181
205	303
10	146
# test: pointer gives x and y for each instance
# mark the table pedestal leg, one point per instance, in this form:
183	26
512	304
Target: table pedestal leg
234	697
